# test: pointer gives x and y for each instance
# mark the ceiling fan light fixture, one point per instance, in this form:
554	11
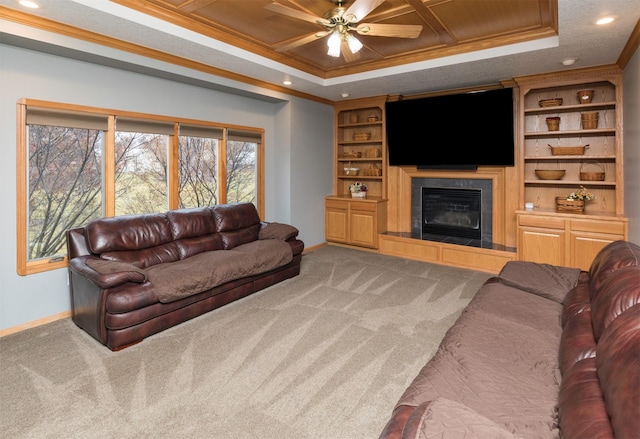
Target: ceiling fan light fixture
334	44
354	44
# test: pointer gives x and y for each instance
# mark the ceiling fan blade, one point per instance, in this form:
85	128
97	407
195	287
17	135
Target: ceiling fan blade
346	52
362	8
390	30
294	13
284	47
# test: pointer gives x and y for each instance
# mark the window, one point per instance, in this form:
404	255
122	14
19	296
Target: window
77	163
141	165
198	151
242	149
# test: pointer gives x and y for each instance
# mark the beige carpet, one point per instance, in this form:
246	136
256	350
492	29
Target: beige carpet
324	355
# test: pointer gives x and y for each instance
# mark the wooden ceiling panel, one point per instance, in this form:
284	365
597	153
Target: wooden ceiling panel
488	18
449	26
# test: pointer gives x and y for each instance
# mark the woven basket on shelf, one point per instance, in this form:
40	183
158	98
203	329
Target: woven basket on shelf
553	123
564	205
585	96
588	174
568	150
550	102
361	136
372	171
589	120
352	154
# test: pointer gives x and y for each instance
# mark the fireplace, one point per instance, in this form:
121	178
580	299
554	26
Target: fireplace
454	210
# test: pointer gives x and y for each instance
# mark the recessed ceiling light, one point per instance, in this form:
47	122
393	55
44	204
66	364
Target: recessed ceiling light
287	82
345	95
29	4
569	62
604	20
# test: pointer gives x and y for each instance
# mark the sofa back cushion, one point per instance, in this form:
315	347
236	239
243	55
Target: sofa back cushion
142	240
194	231
237	223
616	294
611	258
618	363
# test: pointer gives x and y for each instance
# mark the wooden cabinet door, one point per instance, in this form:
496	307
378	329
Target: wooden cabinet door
336	224
363	228
546	246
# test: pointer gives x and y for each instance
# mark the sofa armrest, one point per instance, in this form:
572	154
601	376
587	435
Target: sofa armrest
106	274
280	231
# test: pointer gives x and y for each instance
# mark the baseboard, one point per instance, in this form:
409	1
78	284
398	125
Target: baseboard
33	324
314	247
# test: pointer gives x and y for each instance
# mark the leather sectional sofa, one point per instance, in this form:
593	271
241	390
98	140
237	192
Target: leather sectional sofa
133	276
540	352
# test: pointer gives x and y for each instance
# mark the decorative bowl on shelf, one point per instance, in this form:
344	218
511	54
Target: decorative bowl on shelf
351	171
550	102
550	174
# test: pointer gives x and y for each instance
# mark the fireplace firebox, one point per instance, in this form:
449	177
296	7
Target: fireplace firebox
452	212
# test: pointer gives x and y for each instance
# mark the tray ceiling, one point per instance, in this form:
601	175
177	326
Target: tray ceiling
449	27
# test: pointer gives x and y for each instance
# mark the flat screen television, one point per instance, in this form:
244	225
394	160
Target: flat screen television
456	131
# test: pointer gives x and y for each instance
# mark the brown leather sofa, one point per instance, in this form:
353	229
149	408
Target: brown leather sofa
133	276
540	352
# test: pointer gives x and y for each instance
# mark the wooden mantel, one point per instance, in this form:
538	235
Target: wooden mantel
504	204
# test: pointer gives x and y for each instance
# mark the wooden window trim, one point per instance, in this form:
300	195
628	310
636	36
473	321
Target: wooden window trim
25	267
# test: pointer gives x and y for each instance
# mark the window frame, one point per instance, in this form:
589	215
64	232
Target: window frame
26	267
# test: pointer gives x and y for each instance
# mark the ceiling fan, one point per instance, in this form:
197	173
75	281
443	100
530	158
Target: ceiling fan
340	24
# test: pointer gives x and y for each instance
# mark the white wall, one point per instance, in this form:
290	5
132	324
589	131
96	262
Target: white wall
298	146
631	109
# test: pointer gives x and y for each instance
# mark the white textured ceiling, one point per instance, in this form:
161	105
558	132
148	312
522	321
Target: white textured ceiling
578	38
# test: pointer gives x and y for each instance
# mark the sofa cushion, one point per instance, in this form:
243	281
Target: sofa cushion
576	301
237	223
190	223
611	258
618	363
500	360
616	294
581	409
577	341
443	418
203	271
545	280
147	257
132	232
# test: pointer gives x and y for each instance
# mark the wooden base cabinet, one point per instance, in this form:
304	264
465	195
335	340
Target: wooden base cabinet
355	221
570	240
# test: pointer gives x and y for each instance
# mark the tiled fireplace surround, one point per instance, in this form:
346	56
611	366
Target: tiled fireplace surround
483	185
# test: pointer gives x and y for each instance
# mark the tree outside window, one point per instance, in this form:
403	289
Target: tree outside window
76	164
65	185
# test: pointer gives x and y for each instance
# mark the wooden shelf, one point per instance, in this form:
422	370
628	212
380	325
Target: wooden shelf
572	182
570	108
570	157
572	133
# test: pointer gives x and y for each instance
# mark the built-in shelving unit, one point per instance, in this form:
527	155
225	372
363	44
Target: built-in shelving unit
360	147
546	235
602	142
